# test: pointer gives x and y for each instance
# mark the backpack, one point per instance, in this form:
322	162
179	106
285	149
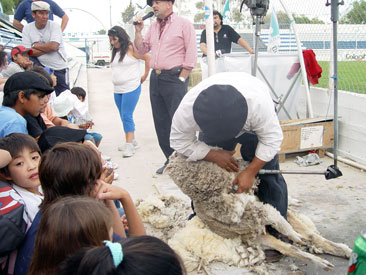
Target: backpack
13	221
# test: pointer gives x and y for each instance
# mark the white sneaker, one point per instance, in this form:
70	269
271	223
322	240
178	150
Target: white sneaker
122	147
135	144
129	150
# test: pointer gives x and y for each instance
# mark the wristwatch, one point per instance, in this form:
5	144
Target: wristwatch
181	78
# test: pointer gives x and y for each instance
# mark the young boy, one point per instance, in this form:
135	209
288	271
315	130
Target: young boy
21	62
80	116
24	93
22	171
19	195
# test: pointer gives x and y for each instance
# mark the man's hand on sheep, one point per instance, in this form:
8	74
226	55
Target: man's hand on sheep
224	159
245	179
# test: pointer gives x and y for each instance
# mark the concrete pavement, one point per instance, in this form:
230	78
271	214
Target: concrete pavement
337	207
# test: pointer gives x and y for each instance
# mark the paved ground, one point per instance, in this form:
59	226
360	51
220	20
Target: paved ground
337	207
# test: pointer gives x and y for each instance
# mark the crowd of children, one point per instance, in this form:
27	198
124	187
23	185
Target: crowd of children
58	206
68	222
59	211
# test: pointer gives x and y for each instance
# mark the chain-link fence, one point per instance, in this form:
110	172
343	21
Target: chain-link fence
314	28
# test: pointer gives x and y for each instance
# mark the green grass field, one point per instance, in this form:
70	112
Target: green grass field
351	76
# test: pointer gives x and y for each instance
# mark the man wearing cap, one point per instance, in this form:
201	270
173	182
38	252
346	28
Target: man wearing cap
230	108
24	93
44	38
21	62
24	11
172	41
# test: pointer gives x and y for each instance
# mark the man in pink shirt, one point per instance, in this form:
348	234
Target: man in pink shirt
172	42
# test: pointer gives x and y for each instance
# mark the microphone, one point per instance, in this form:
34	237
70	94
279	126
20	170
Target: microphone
150	14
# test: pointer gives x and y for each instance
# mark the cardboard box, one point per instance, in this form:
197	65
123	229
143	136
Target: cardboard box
307	134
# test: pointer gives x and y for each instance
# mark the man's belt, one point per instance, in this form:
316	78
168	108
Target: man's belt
173	71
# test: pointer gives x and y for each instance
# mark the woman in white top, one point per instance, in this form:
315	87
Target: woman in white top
126	78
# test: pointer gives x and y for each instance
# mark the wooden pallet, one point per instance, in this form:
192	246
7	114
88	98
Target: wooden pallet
282	156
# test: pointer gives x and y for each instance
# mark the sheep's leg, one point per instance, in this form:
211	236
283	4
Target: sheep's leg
279	223
290	250
306	228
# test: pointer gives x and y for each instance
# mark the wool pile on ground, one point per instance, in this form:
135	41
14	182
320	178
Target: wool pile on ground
166	217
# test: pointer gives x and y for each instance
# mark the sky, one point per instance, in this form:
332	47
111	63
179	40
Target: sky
92	15
83	13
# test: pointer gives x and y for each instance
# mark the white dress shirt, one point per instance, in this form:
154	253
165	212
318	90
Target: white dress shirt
262	118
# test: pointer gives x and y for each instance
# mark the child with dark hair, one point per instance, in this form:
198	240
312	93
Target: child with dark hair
75	169
22	171
139	256
3	60
81	116
21	62
68	225
79	92
24	93
75	224
47	117
20	194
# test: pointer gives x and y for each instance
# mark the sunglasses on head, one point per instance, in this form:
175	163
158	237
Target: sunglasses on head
112	32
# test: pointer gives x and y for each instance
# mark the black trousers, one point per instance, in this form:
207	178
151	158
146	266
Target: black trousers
63	82
166	93
272	188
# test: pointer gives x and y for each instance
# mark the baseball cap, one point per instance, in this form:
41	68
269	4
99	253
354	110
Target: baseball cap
149	2
221	112
20	49
40	6
25	81
59	134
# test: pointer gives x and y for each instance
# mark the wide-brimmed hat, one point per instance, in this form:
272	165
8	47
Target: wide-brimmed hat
221	112
149	2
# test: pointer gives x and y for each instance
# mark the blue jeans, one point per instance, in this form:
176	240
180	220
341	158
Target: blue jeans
126	104
96	136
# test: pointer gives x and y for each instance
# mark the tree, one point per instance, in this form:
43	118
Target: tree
16	3
199	17
317	21
237	16
302	19
128	14
102	31
357	15
8	6
200	5
282	18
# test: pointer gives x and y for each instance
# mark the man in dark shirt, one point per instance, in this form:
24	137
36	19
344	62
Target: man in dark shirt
224	35
24	11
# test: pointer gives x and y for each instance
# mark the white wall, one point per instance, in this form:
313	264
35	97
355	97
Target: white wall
351	117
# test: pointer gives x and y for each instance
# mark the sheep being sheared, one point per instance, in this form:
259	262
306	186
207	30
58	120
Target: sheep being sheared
231	215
